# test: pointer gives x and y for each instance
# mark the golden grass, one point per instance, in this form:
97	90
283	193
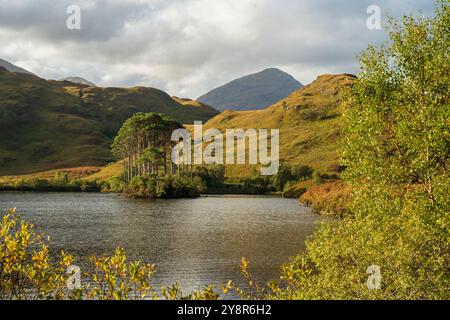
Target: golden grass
74	173
309	121
111	170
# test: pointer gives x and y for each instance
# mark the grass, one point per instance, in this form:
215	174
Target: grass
112	170
309	121
297	190
74	174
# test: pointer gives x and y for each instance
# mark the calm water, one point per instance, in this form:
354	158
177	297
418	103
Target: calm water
192	241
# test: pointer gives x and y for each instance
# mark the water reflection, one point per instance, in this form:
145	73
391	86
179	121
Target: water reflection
192	241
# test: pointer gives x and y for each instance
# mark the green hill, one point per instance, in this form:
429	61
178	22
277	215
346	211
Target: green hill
309	122
58	124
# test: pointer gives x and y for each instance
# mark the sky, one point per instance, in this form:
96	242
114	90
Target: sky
188	47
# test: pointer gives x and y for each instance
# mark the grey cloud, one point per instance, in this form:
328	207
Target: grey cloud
187	47
46	19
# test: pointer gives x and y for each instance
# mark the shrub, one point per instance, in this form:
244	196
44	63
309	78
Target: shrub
169	187
89	186
317	177
37	184
290	174
180	187
62	177
212	176
328	198
396	150
20	185
27	272
296	190
116	184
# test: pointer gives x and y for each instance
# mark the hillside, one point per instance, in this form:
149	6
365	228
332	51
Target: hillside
52	124
193	103
252	92
309	123
79	80
12	68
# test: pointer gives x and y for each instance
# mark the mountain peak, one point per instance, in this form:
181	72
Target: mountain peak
13	68
269	70
255	91
79	80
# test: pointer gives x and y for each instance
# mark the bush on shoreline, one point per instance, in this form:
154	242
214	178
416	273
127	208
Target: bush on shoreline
395	244
167	187
52	185
328	198
28	271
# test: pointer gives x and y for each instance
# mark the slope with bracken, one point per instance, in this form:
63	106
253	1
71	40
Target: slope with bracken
309	122
53	124
193	103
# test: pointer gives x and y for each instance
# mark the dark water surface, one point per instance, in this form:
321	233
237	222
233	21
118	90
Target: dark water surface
192	241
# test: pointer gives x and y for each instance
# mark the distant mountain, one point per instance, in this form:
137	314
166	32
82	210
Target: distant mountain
252	92
79	80
48	125
12	68
309	121
192	103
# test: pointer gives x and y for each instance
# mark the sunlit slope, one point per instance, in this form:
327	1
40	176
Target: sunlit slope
309	121
56	124
195	105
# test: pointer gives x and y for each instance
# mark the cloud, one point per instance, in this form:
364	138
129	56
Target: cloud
187	47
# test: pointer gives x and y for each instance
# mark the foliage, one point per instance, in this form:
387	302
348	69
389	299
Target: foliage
62	177
116	279
254	291
317	177
212	175
175	186
330	198
144	144
27	272
288	173
396	150
114	184
295	190
59	184
287	176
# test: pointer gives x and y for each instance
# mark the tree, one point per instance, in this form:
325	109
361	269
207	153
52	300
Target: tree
396	149
153	158
143	143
